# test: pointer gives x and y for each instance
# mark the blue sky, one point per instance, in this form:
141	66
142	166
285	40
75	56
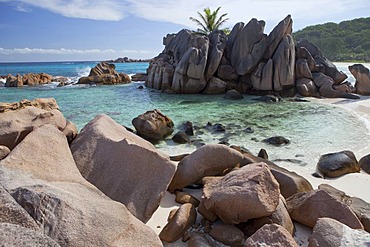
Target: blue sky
66	30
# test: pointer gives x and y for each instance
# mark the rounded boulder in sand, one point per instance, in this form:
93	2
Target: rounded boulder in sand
209	160
247	193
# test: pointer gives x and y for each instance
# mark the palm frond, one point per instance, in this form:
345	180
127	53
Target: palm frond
209	21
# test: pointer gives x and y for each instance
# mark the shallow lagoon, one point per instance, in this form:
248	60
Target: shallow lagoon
312	128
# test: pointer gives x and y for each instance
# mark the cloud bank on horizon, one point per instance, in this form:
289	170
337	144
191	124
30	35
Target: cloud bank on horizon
178	12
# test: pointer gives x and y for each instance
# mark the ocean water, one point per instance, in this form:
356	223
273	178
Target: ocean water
312	128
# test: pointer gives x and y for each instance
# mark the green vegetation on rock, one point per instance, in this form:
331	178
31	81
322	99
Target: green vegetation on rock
346	41
210	21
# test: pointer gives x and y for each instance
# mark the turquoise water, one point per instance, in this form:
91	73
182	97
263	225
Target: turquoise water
312	128
73	70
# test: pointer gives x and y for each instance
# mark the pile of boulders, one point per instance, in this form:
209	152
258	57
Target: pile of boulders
30	79
246	60
100	186
248	200
104	73
317	76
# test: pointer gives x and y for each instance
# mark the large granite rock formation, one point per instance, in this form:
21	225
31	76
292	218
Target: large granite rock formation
42	177
316	76
18	119
124	166
246	60
104	73
362	75
30	79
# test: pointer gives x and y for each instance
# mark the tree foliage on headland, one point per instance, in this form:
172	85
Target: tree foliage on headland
348	40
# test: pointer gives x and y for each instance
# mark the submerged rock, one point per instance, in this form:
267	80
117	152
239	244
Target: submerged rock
181	137
277	140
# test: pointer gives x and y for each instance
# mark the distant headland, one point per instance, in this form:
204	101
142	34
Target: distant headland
127	60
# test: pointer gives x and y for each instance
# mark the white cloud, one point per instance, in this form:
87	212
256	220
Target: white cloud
178	12
23	8
63	51
272	11
106	10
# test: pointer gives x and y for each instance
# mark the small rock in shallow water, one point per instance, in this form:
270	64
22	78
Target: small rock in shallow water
219	127
249	130
269	99
181	138
277	140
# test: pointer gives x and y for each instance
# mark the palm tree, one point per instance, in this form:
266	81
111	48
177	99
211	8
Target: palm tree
209	21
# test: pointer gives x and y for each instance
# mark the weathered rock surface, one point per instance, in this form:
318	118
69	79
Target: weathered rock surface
337	164
365	163
153	125
229	235
246	60
357	205
182	197
308	207
246	193
124	166
67	208
233	94
249	46
280	217
19	119
330	232
208	160
362	75
139	77
70	131
290	183
11	212
30	79
181	137
271	235
4	151
47	104
317	76
184	217
104	73
15	235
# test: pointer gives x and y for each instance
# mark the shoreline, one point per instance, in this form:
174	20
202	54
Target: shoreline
351	183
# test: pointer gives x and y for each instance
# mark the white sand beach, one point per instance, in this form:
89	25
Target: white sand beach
355	184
